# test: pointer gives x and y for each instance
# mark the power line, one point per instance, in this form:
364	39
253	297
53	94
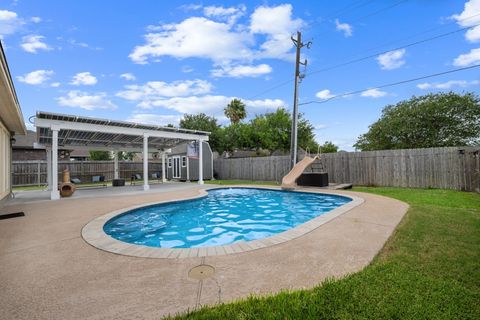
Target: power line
332	14
349	8
389	85
390	50
345	9
369	15
422	32
281	84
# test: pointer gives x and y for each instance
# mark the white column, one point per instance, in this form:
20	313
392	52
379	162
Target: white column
145	163
115	165
188	169
54	194
200	162
49	169
164	159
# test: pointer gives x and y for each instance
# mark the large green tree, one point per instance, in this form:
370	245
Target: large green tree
203	122
272	131
328	147
235	111
269	131
433	120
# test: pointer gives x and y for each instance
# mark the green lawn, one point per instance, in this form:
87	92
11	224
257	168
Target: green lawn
429	269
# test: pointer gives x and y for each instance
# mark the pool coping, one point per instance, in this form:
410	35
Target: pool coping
94	234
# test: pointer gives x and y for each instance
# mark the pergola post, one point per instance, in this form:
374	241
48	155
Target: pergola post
49	169
200	162
115	165
145	163
164	159
54	194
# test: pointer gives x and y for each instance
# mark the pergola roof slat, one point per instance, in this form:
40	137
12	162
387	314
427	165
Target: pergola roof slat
111	134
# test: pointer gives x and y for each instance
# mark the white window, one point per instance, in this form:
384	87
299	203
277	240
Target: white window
184	161
169	162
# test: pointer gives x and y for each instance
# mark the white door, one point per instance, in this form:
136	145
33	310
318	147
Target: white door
176	167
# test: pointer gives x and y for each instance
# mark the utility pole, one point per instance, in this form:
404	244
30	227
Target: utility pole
294	138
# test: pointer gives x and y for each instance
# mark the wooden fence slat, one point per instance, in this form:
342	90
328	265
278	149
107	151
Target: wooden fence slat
27	173
414	168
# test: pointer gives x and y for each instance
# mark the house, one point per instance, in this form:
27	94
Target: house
23	150
182	165
79	155
11	123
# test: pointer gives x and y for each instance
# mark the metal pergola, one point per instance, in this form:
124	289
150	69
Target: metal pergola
75	132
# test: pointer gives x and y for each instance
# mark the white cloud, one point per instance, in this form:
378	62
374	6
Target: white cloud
194	37
9	23
470	17
190	7
36	77
231	14
55	84
324	94
468	59
155	90
83	100
128	76
155	119
6	15
74	42
30	126
241	71
33	43
320	126
278	25
187	69
36	19
201	37
209	104
373	93
473	35
344	27
83	78
447	85
392	60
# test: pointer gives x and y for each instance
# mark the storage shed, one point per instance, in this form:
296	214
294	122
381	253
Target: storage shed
182	162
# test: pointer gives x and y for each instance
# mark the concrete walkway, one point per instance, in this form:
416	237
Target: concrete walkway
49	272
27	196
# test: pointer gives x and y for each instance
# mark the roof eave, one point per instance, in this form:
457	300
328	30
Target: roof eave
10	111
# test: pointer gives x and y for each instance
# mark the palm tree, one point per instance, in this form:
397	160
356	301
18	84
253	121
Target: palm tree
235	111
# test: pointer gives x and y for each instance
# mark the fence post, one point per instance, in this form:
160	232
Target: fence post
38	173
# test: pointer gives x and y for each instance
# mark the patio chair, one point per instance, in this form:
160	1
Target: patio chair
134	178
99	179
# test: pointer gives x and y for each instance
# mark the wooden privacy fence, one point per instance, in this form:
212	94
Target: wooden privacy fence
29	173
455	168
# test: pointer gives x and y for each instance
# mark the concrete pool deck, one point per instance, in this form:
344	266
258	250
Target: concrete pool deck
48	271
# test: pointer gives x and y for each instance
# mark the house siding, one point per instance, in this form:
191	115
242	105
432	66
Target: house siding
5	163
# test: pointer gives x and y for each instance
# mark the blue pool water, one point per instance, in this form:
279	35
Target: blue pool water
223	217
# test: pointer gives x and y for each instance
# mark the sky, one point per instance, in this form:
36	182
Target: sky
153	61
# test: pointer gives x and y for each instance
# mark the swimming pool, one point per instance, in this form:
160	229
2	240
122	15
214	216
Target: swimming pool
225	216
